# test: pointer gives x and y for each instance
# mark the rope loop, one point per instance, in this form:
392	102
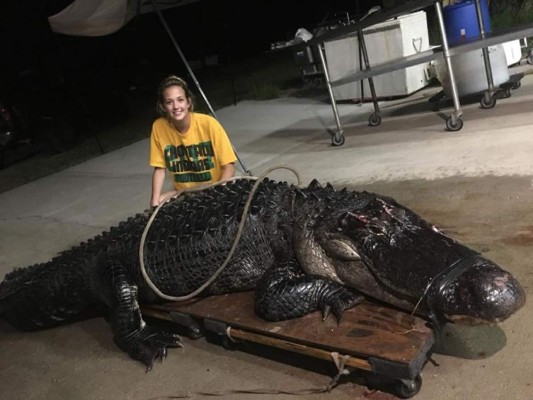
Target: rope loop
240	229
340	362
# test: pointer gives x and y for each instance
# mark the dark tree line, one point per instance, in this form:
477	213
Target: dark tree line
516	6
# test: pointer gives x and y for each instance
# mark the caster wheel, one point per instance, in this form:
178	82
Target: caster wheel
338	140
406	389
227	343
454	127
517	84
374	119
487	103
194	333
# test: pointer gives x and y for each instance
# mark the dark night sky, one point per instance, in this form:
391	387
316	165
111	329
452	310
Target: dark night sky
234	30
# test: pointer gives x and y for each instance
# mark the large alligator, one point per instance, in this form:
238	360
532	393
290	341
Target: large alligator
301	250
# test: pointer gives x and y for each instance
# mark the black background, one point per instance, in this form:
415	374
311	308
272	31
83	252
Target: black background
40	68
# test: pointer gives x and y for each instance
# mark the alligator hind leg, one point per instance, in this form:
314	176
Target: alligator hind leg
283	293
131	334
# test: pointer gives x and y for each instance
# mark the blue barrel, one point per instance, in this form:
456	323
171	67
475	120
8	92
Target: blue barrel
460	20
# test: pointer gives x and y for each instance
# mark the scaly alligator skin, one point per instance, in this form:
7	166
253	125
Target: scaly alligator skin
302	250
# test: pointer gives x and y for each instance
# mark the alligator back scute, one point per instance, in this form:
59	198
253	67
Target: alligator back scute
191	237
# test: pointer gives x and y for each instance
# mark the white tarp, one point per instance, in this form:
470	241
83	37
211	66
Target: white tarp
103	17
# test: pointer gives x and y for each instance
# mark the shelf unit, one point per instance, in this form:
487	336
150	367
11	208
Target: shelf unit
454	121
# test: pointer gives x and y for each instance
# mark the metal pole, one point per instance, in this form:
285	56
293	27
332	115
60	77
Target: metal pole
362	46
486	57
339	135
446	53
191	73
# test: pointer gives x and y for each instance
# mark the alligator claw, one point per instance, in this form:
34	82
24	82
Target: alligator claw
339	301
163	355
149	344
325	312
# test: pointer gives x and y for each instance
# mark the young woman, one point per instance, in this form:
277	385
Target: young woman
193	147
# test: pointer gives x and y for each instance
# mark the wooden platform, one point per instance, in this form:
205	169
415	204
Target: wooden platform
378	339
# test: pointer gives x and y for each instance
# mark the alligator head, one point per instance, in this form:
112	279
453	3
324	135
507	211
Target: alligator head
386	251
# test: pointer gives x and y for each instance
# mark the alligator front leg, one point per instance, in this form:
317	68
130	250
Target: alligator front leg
131	334
283	294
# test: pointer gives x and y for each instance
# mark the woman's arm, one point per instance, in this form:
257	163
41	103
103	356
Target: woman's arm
228	171
158	178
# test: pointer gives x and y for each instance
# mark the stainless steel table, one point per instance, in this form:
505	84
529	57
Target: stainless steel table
454	121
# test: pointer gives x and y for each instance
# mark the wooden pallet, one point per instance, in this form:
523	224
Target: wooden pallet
373	338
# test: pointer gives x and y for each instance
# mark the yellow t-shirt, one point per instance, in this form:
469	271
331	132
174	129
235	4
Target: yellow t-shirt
195	157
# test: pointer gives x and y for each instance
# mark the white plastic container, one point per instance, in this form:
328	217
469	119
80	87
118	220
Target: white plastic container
513	52
387	41
469	71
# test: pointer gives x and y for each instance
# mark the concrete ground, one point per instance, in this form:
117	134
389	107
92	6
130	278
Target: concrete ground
476	184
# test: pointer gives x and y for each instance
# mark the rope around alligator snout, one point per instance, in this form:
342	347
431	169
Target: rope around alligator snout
235	241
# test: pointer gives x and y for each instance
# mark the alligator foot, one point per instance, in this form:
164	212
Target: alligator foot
338	301
148	345
283	294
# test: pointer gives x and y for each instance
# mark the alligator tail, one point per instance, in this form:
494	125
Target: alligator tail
42	295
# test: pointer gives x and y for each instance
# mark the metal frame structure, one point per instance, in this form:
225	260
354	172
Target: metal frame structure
454	121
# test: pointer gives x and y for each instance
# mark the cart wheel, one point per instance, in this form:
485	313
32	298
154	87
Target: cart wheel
374	119
530	58
338	140
487	103
454	127
227	343
406	388
516	85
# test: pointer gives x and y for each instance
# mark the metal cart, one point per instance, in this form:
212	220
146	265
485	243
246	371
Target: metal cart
454	121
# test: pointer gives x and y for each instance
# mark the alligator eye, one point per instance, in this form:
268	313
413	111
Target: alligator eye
345	218
341	249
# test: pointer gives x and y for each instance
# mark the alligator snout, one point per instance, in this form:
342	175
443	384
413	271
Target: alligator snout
484	293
